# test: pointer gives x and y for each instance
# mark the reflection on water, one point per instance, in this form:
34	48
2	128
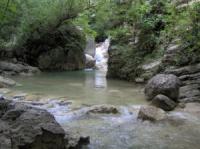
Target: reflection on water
84	87
100	79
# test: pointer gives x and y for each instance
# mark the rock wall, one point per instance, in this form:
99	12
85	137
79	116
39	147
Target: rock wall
186	68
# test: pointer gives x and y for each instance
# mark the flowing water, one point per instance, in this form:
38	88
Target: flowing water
83	89
101	55
110	131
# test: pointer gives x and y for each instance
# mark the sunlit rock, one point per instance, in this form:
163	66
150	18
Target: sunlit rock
151	113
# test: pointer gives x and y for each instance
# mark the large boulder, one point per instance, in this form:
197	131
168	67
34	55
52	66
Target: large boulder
151	113
165	84
14	68
164	103
60	48
24	127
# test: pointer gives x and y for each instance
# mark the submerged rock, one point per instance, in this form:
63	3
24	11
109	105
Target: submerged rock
103	109
165	84
164	103
6	82
24	127
151	113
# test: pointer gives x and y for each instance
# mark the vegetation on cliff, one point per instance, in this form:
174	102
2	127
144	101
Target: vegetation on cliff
31	29
141	31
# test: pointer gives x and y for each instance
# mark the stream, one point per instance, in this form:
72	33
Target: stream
70	96
83	89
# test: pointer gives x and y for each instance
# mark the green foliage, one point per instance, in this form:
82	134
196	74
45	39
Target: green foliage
19	19
8	20
185	26
95	19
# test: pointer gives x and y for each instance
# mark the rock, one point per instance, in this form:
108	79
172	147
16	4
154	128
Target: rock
176	118
4	90
6	82
192	108
10	68
165	84
2	97
171	53
191	99
164	103
190	93
152	66
190	77
90	61
190	82
21	96
151	113
139	80
103	109
191	69
76	142
24	127
61	48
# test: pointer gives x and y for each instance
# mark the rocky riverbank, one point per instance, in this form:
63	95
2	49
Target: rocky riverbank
26	125
13	67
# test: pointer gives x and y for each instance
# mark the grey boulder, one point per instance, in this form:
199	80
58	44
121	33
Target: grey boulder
151	113
165	84
164	103
25	127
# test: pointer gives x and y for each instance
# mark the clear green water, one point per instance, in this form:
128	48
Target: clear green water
85	87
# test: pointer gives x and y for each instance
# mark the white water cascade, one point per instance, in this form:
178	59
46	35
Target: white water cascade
101	55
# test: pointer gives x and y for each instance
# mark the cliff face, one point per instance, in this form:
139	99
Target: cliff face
143	51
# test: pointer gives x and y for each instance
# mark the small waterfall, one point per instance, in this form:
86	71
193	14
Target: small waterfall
101	56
